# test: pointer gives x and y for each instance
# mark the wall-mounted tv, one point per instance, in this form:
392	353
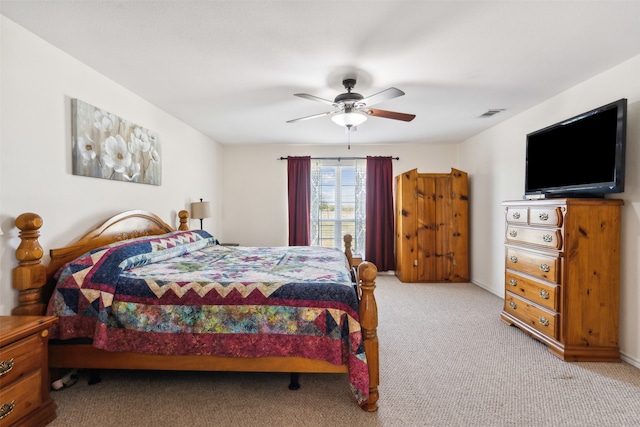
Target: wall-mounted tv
582	156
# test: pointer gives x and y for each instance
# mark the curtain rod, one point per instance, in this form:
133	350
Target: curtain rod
338	158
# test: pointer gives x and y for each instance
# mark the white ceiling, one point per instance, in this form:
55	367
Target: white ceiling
230	68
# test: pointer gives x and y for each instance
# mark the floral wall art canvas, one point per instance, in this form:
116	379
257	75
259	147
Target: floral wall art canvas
107	146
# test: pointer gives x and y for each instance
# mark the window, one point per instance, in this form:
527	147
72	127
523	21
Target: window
338	203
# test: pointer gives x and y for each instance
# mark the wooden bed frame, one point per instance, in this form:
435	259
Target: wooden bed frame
35	284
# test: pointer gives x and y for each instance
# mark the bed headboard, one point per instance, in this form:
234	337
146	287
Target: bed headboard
35	282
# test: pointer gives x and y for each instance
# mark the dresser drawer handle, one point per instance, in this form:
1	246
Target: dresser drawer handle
543	216
513	305
544	321
7	408
513	233
6	366
513	259
547	238
516	215
544	294
545	268
513	282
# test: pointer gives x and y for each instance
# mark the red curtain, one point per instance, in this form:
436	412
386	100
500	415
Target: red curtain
299	185
379	240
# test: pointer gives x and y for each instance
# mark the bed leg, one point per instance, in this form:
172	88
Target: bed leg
295	381
94	376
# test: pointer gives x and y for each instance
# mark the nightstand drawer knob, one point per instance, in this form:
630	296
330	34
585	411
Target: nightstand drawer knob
6	366
545	268
516	215
544	294
7	408
513	233
543	216
513	305
513	259
513	282
544	321
547	238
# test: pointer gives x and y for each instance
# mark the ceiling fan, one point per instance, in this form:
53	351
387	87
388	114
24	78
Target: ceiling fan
352	109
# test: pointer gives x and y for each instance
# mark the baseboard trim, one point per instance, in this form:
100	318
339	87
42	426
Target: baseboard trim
487	288
630	360
623	356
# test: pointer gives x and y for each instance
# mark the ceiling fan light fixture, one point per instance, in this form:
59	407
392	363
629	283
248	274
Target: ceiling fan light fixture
352	109
349	119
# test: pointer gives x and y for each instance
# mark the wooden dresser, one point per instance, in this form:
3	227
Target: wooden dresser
24	374
562	275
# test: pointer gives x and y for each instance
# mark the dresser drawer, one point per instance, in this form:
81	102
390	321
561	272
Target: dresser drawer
20	397
537	317
551	216
542	293
517	215
535	236
543	266
19	358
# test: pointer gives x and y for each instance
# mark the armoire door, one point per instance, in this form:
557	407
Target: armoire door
434	211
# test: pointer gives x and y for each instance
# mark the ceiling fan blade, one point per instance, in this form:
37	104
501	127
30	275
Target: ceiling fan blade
328	113
385	95
314	98
390	115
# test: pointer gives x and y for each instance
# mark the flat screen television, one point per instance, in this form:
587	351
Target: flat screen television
582	156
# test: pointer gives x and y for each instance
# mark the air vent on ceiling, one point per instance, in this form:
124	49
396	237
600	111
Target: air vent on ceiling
492	112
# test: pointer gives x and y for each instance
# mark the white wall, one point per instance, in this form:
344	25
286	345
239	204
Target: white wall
37	83
495	162
255	209
245	184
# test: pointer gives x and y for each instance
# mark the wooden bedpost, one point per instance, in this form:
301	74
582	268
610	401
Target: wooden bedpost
367	273
184	220
347	248
30	275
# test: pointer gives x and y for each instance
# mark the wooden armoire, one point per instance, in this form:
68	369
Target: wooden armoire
432	226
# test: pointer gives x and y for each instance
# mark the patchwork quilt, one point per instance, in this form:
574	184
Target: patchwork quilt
181	293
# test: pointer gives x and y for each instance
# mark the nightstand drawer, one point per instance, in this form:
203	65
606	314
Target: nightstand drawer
541	293
24	388
535	236
20	398
538	265
19	358
542	320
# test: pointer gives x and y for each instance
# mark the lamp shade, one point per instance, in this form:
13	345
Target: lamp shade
349	119
200	210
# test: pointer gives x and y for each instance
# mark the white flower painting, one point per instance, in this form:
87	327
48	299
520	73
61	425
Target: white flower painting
107	146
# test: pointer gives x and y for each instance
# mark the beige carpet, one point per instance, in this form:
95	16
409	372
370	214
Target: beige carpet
446	360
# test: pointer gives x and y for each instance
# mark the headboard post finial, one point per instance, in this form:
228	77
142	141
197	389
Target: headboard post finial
30	275
184	220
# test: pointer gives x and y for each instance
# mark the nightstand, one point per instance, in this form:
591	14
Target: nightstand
24	371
